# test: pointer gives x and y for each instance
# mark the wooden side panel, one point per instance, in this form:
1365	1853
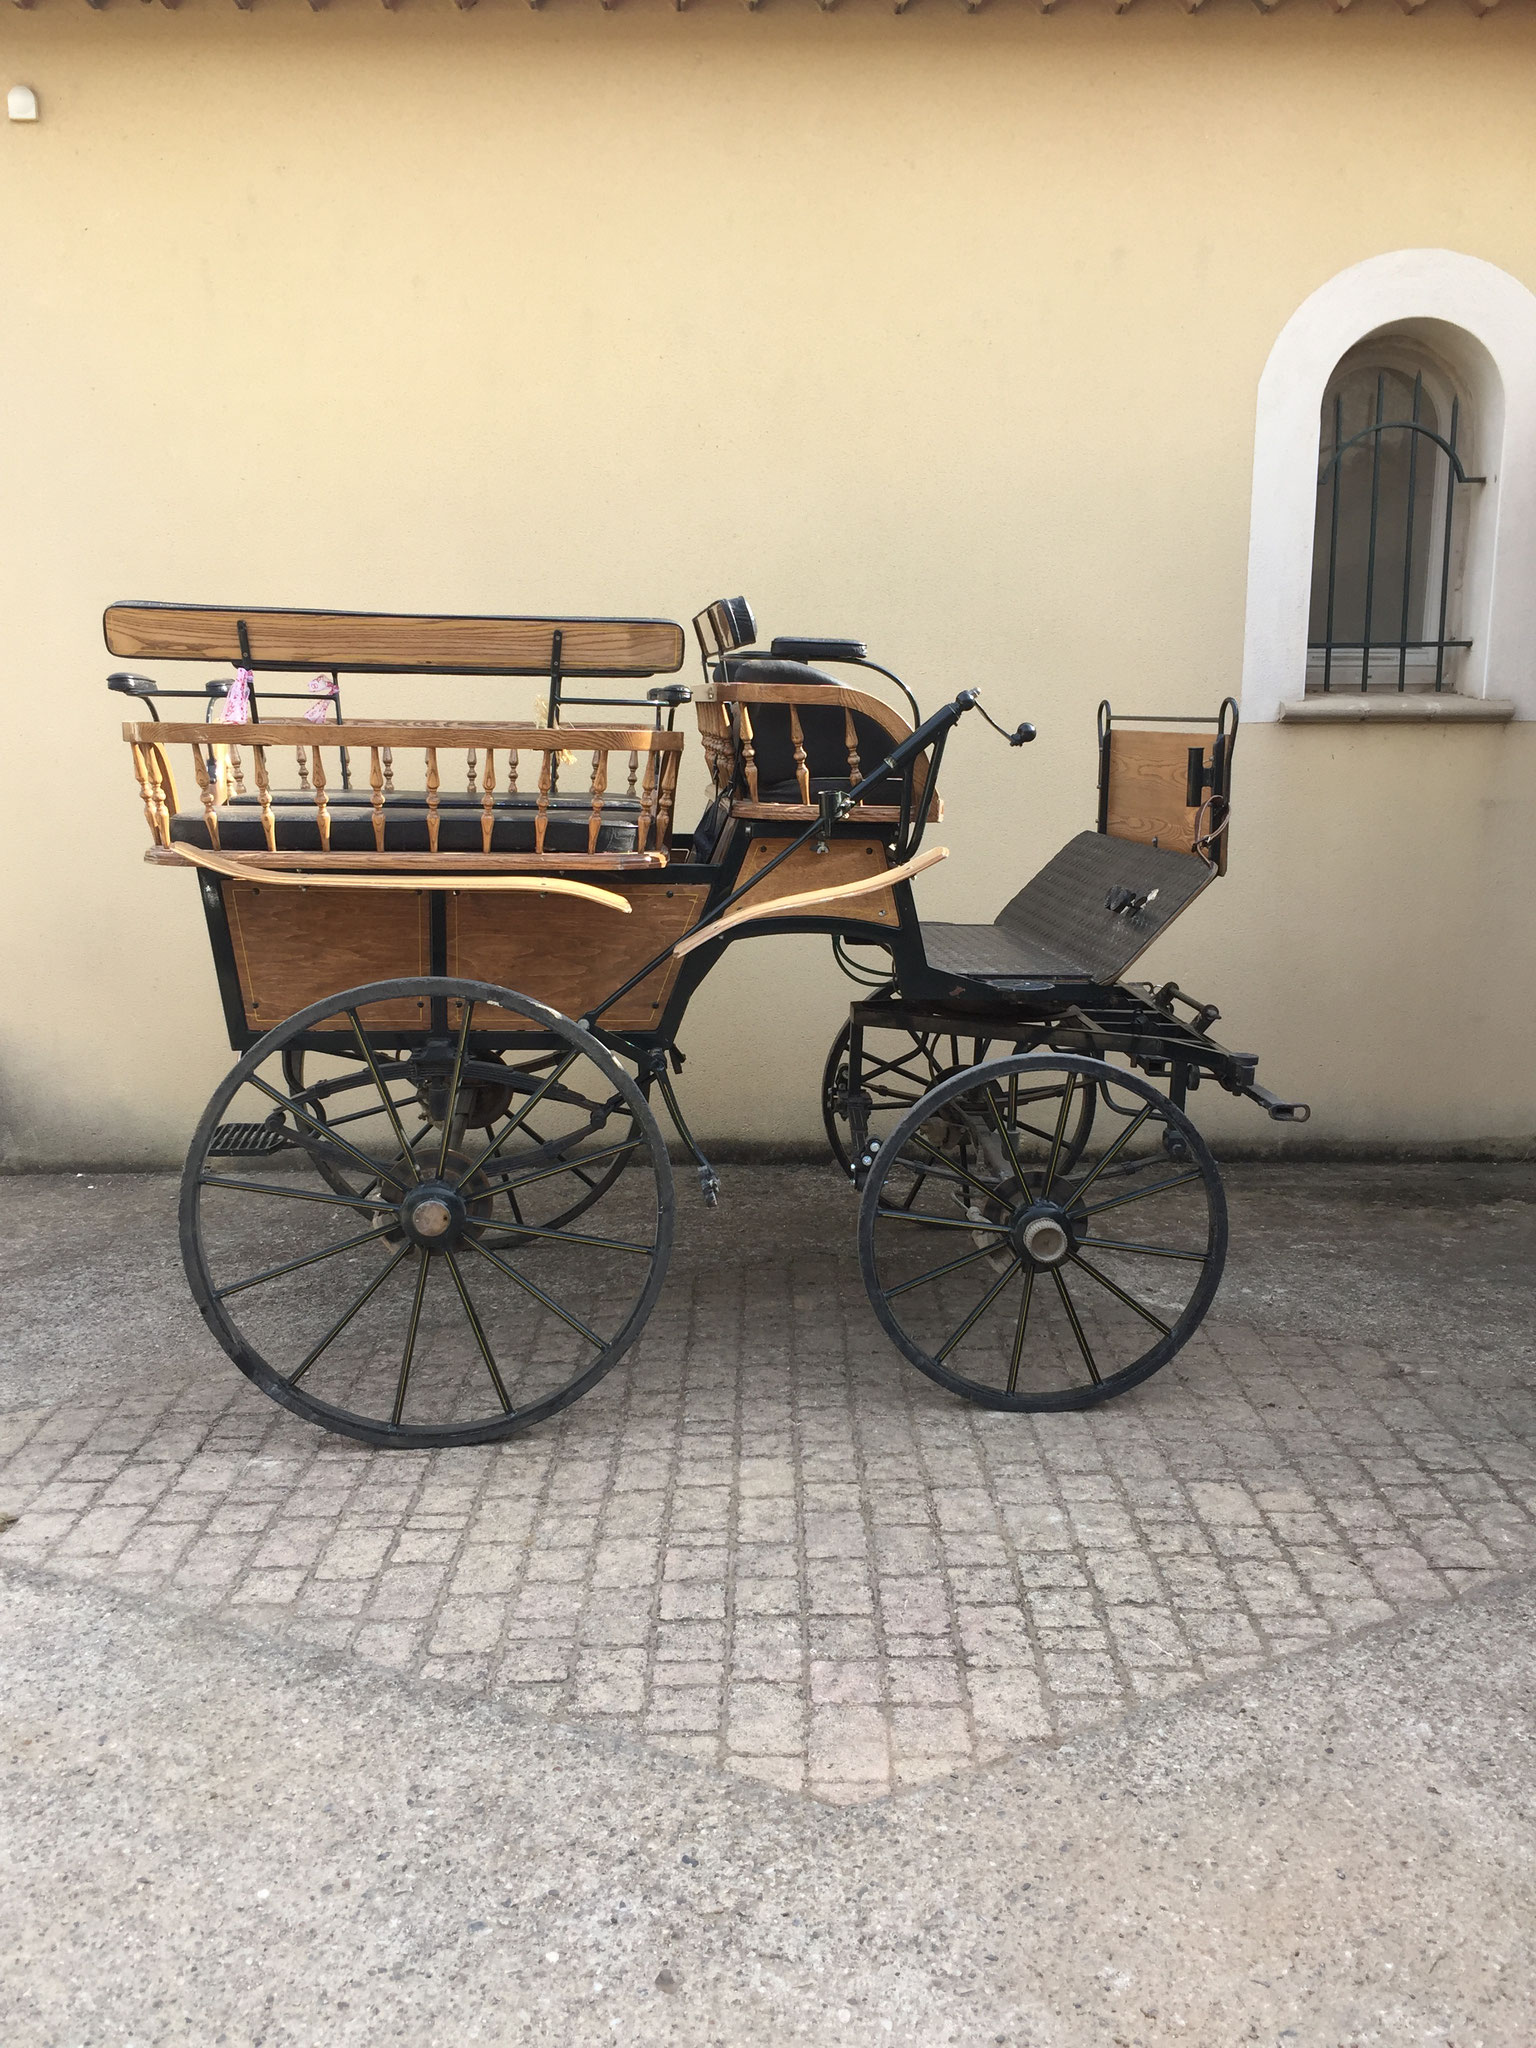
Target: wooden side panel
293	946
433	644
1148	782
571	954
845	860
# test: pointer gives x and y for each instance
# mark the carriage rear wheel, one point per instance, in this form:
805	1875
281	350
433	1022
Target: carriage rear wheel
1020	1277
421	1287
898	1069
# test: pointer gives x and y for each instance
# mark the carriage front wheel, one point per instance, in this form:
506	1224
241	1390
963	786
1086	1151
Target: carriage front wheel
385	1247
1021	1275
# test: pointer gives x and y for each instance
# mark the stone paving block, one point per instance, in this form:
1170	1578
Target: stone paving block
846	1682
765	1720
766	1647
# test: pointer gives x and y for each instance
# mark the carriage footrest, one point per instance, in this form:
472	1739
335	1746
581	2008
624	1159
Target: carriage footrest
247	1141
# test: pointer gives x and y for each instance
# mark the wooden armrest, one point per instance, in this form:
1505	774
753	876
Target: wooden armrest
235	869
808	899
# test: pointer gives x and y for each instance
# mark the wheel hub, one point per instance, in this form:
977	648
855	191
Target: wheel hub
433	1215
1042	1234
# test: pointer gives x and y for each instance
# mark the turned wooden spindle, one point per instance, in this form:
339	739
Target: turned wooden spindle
322	808
433	820
668	797
298	753
236	773
647	804
207	789
802	770
851	741
376	802
488	801
511	771
748	751
599	787
389	771
148	789
634	770
264	792
541	815
469	771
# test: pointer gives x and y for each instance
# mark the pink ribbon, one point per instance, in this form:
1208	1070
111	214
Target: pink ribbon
237	702
321	686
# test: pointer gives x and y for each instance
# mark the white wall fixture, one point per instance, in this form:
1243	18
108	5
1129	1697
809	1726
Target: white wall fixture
21	103
1484	322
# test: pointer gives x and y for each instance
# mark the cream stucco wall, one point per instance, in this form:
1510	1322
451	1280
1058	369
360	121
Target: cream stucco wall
943	329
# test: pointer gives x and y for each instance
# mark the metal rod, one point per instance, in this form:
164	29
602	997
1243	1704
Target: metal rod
1333	538
1370	552
1445	556
1413	484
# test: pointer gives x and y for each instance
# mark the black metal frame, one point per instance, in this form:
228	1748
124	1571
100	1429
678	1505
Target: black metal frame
1402	643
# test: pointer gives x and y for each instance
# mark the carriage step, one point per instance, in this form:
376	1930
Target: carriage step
247	1141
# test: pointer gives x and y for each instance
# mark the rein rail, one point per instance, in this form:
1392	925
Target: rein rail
222	755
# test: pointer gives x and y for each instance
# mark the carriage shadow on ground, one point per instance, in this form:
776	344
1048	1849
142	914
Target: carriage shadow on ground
766	1541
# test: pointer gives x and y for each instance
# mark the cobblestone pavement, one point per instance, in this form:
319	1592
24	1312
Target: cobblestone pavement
765	1541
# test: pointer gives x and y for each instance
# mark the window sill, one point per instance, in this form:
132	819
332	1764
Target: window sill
1412	708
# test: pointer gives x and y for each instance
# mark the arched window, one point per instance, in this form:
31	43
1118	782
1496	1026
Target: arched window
1389	537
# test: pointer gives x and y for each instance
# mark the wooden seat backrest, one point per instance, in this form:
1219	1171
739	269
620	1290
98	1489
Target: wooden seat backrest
1146	778
394	643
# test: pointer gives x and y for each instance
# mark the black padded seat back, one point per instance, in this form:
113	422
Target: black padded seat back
1063	912
407	828
824	731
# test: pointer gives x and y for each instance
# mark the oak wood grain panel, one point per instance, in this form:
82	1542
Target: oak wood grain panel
395	643
570	954
1148	781
845	860
292	948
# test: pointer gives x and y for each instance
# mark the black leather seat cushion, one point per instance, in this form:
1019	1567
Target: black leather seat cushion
513	827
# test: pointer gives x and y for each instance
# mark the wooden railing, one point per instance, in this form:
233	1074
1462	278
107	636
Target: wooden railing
500	762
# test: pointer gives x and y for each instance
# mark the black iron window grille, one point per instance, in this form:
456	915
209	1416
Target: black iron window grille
1390	527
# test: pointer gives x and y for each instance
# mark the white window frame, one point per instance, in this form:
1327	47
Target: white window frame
1482	322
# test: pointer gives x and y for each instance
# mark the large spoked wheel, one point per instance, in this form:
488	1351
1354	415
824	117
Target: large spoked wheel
899	1067
1021	1278
419	1287
488	1113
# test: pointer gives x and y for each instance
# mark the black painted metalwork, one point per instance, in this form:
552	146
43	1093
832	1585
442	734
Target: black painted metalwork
1403	586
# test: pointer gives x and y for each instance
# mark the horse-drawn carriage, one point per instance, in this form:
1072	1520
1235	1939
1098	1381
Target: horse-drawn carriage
431	1203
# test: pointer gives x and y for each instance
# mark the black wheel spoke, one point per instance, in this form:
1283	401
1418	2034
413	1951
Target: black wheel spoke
905	1215
1061	1131
977	1312
1115	1150
1146	1251
450	1109
385	1097
348	1244
582	1237
480	1337
987	1251
1019	1329
535	1098
1160	1187
342	1321
530	1287
1120	1294
410	1340
524	1180
264	1187
952	1166
1077	1328
1002	1123
320	1130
